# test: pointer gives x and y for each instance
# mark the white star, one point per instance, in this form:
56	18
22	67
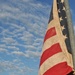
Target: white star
62	27
61	18
63	8
65	37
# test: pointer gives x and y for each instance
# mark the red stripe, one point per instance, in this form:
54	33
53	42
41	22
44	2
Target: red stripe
51	32
59	69
49	52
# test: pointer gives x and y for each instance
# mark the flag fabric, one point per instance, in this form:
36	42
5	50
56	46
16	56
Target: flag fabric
56	58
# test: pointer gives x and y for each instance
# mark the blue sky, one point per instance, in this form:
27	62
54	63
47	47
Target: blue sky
22	28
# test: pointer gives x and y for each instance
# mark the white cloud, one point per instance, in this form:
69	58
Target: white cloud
27	37
18	53
3	50
28	26
11	67
33	54
24	15
30	47
8	40
23	25
27	54
13	48
2	46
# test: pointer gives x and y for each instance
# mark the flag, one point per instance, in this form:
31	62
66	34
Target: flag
56	58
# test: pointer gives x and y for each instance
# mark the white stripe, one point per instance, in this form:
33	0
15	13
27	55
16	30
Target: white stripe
52	61
49	42
51	24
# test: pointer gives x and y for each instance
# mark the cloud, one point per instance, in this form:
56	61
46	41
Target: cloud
3	50
34	18
8	40
27	36
15	68
22	27
27	54
33	54
13	48
18	53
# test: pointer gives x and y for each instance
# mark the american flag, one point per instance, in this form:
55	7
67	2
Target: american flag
56	58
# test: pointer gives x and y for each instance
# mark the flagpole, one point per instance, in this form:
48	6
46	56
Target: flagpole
71	30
